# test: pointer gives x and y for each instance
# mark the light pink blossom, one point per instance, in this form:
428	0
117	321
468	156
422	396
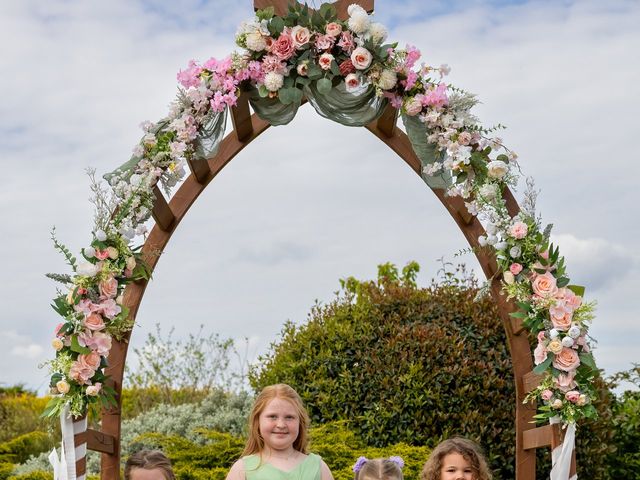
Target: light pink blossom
109	308
347	42
572	396
546	395
540	353
324	42
565	381
515	268
518	230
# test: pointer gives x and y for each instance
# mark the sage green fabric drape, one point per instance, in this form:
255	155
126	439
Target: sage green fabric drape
351	109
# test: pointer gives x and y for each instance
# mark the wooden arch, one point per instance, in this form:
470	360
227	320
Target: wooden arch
168	216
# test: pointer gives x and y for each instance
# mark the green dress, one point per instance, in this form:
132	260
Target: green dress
308	469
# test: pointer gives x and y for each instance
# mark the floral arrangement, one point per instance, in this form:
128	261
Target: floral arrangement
281	57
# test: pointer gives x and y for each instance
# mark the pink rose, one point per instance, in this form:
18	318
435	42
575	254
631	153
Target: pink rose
544	286
518	230
567	360
80	374
413	106
325	61
572	396
283	48
361	58
546	395
109	308
101	342
346	42
352	82
94	322
541	336
303	69
540	353
565	381
515	268
102	254
300	36
333	29
93	390
108	288
89	360
560	316
571	299
324	42
582	342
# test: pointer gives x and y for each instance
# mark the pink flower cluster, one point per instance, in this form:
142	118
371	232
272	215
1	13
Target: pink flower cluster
218	78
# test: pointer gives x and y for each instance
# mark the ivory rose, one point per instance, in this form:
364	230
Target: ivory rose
508	278
131	263
302	69
413	106
108	288
94	322
300	36
333	29
582	400
518	230
283	47
63	387
567	360
93	390
325	61
497	169
113	252
361	58
557	404
57	344
555	346
544	285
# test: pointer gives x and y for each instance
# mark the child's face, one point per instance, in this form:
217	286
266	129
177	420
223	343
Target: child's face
146	474
279	424
455	467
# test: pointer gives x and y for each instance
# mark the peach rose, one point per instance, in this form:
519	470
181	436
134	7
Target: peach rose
57	344
283	48
560	317
555	346
557	404
518	230
582	400
89	360
80	374
62	386
544	285
300	36
108	288
361	58
325	61
334	29
572	396
94	322
102	254
567	360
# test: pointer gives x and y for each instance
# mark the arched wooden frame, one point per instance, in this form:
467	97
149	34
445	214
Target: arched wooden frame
168	216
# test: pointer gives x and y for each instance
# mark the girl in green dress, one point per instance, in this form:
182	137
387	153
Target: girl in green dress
277	446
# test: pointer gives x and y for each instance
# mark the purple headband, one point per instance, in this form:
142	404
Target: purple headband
362	460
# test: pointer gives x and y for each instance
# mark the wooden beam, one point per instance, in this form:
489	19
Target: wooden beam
241	118
342	5
517	326
281	7
387	121
100	442
162	214
200	169
538	437
530	381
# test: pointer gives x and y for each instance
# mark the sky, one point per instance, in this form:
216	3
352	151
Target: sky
311	202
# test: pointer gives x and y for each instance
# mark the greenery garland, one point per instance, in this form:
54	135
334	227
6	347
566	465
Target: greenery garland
282	56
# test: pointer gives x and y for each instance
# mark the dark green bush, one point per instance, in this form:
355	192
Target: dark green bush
21	448
36	475
407	364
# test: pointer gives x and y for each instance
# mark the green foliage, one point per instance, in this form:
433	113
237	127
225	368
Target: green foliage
20	413
5	470
409	364
21	448
138	400
35	475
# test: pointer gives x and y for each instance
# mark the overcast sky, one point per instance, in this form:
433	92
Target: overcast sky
311	202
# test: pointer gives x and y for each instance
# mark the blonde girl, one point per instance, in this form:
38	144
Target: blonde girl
456	459
277	446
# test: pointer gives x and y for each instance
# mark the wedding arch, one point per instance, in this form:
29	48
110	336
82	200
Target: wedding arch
335	59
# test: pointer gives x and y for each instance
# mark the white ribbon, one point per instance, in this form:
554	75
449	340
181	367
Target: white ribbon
562	454
64	467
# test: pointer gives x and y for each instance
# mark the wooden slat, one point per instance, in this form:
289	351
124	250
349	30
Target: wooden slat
100	442
517	327
200	169
342	5
530	381
241	118
387	121
81	466
162	214
281	7
538	437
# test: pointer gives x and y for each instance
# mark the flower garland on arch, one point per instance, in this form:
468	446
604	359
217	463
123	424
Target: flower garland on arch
282	56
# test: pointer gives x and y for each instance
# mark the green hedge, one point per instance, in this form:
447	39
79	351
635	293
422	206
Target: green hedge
409	364
21	448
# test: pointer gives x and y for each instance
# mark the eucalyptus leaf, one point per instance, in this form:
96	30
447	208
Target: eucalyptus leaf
541	368
324	85
263	91
577	289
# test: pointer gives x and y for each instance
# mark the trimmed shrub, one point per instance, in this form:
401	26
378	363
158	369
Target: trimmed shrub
21	448
136	401
408	364
20	413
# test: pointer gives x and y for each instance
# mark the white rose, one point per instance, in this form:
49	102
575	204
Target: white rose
557	404
567	342
492	239
482	240
87	269
359	22
361	58
488	191
377	32
89	252
62	386
501	245
515	251
355	8
508	277
101	236
491	229
497	169
300	36
388	79
273	81
256	42
113	252
413	106
553	333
